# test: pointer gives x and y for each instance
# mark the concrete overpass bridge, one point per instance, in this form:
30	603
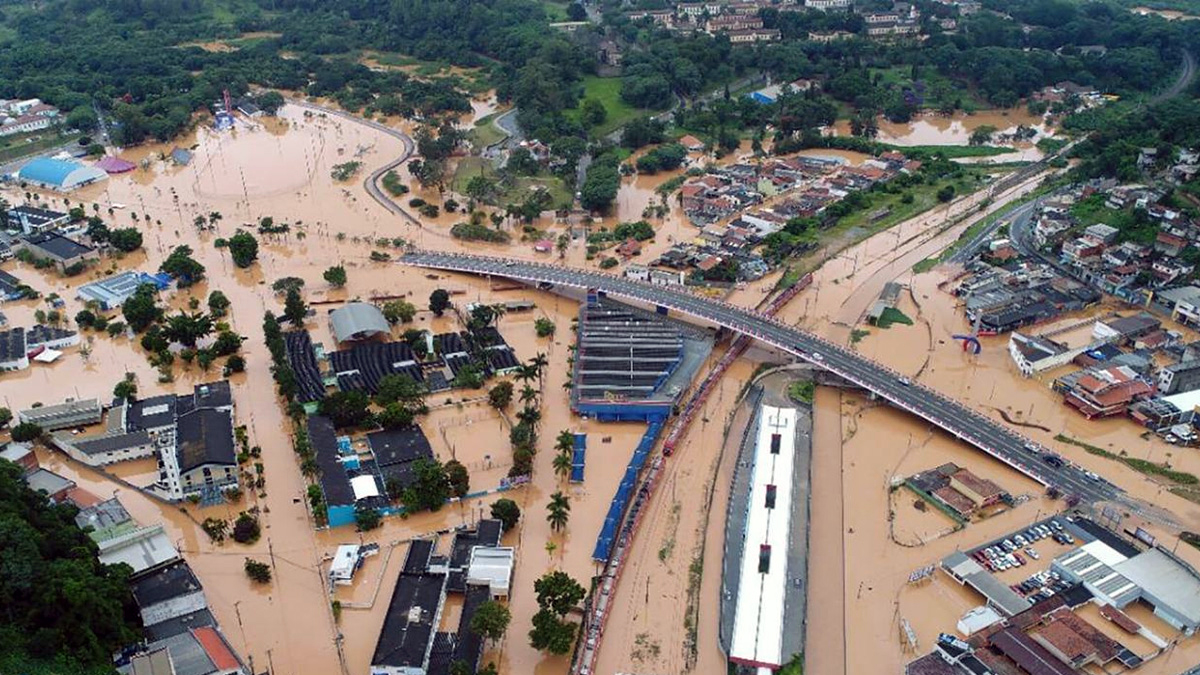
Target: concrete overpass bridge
983	432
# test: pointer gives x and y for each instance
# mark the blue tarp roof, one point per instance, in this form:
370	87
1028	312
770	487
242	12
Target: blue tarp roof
48	171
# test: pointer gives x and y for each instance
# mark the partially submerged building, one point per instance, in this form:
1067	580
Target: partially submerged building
406	638
631	364
64	415
758	581
177	620
110	293
409	642
59	174
358	321
40	343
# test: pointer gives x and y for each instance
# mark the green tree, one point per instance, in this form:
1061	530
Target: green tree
557	592
592	112
543	326
97	231
187	329
336	276
227	342
564	441
458	477
246	529
558	511
439	301
294	307
56	598
429	489
395	416
141	309
125	239
481	188
946	193
562	464
552	634
507	512
491	620
126	389
367	519
218	304
399	311
287	283
259	572
500	396
402	389
25	432
183	267
346	408
982	135
270	101
244	248
5	417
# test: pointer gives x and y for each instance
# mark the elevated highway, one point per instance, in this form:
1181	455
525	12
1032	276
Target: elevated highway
983	432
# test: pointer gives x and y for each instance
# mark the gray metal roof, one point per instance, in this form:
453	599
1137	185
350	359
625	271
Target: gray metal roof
975	576
1170	580
187	654
47	481
357	320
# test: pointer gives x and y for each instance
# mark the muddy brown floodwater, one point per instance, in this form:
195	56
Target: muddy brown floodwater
936	129
281	168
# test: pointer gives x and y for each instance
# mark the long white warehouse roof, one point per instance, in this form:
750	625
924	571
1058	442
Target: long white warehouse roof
758	617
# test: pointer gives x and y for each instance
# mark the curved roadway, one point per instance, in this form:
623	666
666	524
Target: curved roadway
371	182
955	418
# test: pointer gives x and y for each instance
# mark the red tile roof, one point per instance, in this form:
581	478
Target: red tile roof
216	648
981	486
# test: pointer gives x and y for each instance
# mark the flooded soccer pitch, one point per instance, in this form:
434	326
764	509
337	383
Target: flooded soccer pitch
860	555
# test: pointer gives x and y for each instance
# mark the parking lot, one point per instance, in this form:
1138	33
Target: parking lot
1021	560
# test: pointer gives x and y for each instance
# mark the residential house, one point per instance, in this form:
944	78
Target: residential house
751	35
1183	302
1105	392
1179	377
691	143
1168	244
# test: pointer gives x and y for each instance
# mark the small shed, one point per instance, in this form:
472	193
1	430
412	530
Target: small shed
345	563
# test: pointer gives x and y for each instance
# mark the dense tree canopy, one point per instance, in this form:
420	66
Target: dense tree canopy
56	599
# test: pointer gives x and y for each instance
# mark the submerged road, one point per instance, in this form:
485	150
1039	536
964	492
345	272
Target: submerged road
968	425
371	182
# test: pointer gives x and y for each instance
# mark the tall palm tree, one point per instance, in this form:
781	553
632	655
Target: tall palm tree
498	310
565	441
525	373
539	363
558	511
562	464
530	415
528	394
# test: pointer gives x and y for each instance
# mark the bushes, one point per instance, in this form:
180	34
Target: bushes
259	572
478	232
246	529
663	158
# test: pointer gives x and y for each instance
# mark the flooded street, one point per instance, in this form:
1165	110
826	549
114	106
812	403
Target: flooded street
865	540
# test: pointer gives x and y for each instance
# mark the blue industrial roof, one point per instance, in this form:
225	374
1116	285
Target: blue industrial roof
48	171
